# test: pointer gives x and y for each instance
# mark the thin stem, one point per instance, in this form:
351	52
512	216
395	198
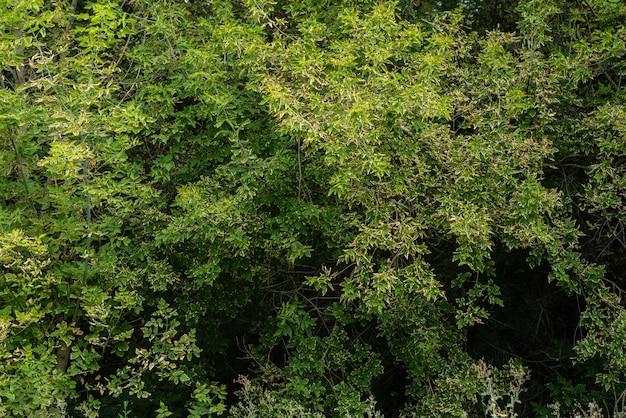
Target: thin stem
88	241
70	21
23	176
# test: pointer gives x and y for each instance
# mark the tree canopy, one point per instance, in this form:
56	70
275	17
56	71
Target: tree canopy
277	208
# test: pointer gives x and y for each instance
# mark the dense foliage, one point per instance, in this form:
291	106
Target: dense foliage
281	208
